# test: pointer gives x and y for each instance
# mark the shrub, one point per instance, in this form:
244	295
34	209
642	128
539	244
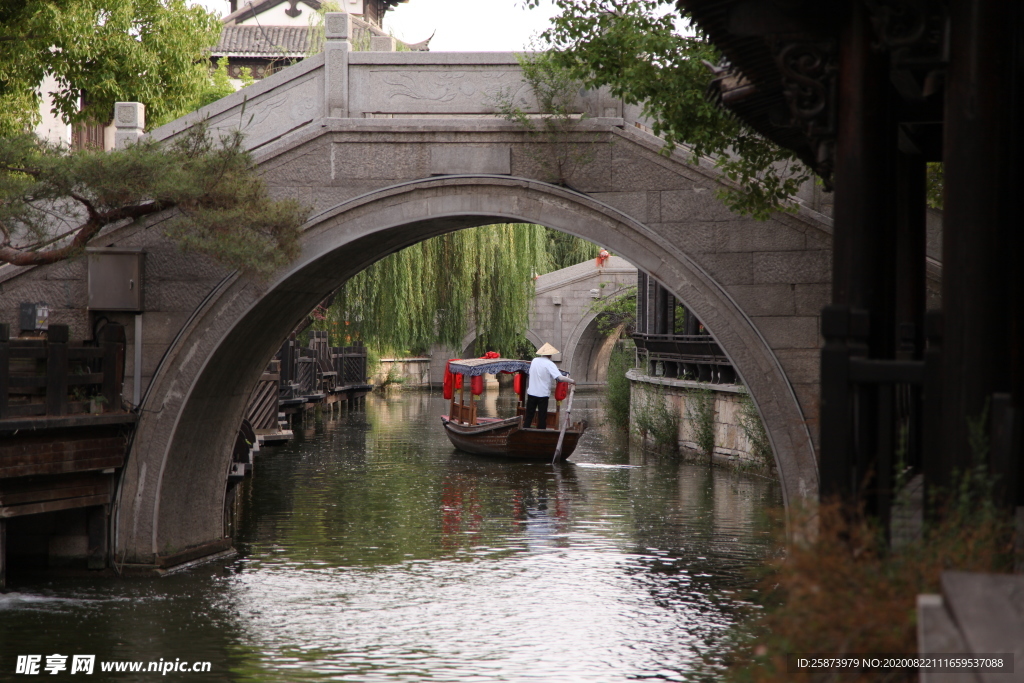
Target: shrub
757	435
701	411
848	591
654	417
393	378
617	390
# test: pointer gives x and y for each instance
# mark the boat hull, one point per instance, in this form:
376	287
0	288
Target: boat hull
507	439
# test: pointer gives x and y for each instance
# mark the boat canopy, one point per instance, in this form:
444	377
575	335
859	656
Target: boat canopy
473	367
487	366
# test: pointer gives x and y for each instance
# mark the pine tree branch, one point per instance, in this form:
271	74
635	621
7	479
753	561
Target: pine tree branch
98	220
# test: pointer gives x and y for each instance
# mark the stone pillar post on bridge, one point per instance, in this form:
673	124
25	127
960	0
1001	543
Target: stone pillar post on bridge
383	44
130	123
337	46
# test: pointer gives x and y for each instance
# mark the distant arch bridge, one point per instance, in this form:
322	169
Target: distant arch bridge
564	314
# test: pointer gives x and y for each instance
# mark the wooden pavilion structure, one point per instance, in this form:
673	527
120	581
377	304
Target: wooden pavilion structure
867	92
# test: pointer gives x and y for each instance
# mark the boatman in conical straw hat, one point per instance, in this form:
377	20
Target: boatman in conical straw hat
543	375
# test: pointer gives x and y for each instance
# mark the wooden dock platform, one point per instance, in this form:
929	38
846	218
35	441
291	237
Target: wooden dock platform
63	439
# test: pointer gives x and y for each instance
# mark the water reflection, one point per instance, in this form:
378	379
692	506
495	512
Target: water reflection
373	550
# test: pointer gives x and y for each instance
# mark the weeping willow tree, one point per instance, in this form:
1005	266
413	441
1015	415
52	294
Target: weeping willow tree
430	292
567	250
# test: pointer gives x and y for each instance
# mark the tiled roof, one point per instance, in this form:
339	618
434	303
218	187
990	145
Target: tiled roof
253	40
262	41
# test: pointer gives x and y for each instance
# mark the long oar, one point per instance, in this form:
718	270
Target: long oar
565	423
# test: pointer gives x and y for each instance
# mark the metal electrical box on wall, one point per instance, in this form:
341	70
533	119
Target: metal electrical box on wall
115	279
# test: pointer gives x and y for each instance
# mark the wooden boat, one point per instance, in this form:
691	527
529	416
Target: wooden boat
503	437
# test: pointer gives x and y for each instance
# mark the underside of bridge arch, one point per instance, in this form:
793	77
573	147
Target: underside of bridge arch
587	351
172	492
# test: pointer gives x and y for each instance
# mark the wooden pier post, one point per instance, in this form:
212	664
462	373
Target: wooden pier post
5	367
96	522
57	370
981	233
3	553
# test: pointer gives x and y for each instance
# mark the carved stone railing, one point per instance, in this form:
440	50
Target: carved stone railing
343	84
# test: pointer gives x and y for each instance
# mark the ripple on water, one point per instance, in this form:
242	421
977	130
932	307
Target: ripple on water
374	551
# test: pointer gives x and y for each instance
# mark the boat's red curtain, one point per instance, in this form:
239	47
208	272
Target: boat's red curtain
451	381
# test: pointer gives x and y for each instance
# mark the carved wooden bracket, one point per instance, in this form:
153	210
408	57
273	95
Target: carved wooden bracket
809	69
914	32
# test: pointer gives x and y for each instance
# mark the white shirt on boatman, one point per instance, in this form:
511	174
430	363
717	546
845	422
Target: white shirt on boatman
542	373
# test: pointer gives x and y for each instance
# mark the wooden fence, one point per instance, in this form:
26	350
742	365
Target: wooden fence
55	377
319	369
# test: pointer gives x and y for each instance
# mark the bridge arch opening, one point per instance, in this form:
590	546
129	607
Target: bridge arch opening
172	492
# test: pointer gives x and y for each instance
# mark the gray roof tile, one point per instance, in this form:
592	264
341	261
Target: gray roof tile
262	41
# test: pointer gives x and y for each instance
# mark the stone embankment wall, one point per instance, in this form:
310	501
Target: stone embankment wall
413	372
733	446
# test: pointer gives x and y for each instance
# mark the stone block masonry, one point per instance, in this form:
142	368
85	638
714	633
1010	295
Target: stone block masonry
733	446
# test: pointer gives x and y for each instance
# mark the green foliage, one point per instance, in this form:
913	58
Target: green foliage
654	417
218	85
149	51
700	409
679	318
426	293
757	435
632	48
566	250
555	89
975	486
52	203
616	313
934	184
393	379
617	389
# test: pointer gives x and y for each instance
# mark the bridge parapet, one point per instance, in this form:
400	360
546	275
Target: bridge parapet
340	83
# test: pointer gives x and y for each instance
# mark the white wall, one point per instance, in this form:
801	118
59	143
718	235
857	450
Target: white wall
51	127
276	16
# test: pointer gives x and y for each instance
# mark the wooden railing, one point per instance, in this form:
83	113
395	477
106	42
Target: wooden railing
693	356
876	413
321	351
692	347
54	377
350	364
263	403
320	368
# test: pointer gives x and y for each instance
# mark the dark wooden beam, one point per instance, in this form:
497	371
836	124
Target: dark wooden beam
57	370
54	505
5	367
97	529
981	224
863	257
910	294
3	553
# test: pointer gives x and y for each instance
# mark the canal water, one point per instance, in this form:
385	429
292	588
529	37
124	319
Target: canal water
371	550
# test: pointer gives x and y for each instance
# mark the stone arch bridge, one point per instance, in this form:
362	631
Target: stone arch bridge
390	149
